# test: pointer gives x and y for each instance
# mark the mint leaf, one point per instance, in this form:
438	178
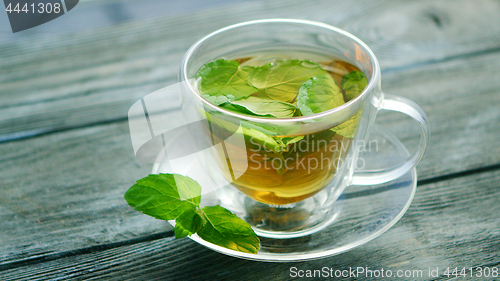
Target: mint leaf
235	108
188	223
254	134
319	94
266	129
257	137
181	232
282	79
225	78
164	196
353	83
227	230
218	100
173	196
265	107
349	128
291	140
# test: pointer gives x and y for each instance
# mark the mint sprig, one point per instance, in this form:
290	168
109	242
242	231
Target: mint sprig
173	196
164	196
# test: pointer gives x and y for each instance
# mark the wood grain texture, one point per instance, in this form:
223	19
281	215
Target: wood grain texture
462	103
445	227
51	84
64	191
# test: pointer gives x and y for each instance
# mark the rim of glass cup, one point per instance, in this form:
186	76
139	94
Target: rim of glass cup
372	83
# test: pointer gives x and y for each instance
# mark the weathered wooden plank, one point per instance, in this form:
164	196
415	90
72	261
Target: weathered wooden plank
446	226
62	173
462	103
64	191
94	76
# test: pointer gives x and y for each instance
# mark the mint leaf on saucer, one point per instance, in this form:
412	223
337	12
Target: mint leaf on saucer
173	196
188	223
353	83
265	107
225	229
281	80
164	196
225	78
319	94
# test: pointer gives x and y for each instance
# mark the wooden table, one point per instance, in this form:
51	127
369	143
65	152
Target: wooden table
66	158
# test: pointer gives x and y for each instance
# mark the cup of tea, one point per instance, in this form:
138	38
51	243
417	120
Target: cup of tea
286	107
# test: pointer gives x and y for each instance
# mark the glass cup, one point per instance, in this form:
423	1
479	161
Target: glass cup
283	176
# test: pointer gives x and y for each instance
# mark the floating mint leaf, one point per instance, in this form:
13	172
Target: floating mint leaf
266	129
227	230
164	196
282	79
349	128
353	83
319	94
188	223
265	107
218	100
225	78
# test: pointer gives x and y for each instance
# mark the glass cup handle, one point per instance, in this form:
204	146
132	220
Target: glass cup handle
411	109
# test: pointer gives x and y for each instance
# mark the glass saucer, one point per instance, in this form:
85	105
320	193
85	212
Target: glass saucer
364	212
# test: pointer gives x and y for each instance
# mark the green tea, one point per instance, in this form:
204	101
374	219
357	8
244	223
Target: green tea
273	168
